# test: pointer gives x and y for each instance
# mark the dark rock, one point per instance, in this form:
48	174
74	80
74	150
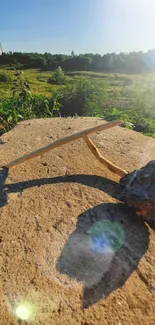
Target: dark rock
138	191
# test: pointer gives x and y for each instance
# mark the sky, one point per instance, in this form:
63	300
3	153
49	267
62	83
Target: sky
84	26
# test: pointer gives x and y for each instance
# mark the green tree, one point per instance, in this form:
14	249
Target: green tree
58	77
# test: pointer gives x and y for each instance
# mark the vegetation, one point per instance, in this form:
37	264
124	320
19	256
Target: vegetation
134	62
5	77
58	77
82	97
35	93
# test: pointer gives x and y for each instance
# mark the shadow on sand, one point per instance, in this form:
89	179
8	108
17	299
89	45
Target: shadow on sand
101	183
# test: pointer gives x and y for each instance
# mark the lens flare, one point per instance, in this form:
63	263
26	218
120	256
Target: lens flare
106	235
24	311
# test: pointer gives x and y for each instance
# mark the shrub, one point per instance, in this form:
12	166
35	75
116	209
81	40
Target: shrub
41	107
144	126
18	106
5	77
20	87
58	77
15	109
82	97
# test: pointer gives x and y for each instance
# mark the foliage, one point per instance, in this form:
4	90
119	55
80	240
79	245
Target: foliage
5	77
110	96
82	97
20	87
79	98
132	120
22	105
131	63
58	77
16	109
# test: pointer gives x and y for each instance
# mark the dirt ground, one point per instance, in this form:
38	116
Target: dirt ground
58	253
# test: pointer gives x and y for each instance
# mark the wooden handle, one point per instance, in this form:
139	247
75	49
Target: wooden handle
115	169
62	141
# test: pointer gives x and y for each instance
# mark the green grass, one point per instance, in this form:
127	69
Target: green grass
36	79
132	96
116	88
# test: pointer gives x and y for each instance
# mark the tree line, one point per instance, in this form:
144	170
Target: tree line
134	62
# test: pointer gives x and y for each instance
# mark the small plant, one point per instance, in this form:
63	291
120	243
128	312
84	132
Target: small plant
3	126
20	87
18	107
76	115
58	77
4	77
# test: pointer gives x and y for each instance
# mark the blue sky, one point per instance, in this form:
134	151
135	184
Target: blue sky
85	26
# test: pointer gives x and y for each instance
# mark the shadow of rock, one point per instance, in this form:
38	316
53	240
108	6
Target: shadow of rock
103	251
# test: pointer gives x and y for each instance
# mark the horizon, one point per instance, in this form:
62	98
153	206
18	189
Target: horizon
78	54
89	26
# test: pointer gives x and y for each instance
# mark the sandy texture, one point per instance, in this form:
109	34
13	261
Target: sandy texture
57	251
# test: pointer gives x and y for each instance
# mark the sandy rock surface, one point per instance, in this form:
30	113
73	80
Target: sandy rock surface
68	247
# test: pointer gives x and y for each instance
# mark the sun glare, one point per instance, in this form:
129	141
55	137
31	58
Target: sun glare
23	311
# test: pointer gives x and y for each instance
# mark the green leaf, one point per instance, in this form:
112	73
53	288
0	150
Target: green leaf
20	116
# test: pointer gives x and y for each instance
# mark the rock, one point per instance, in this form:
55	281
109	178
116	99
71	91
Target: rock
138	191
